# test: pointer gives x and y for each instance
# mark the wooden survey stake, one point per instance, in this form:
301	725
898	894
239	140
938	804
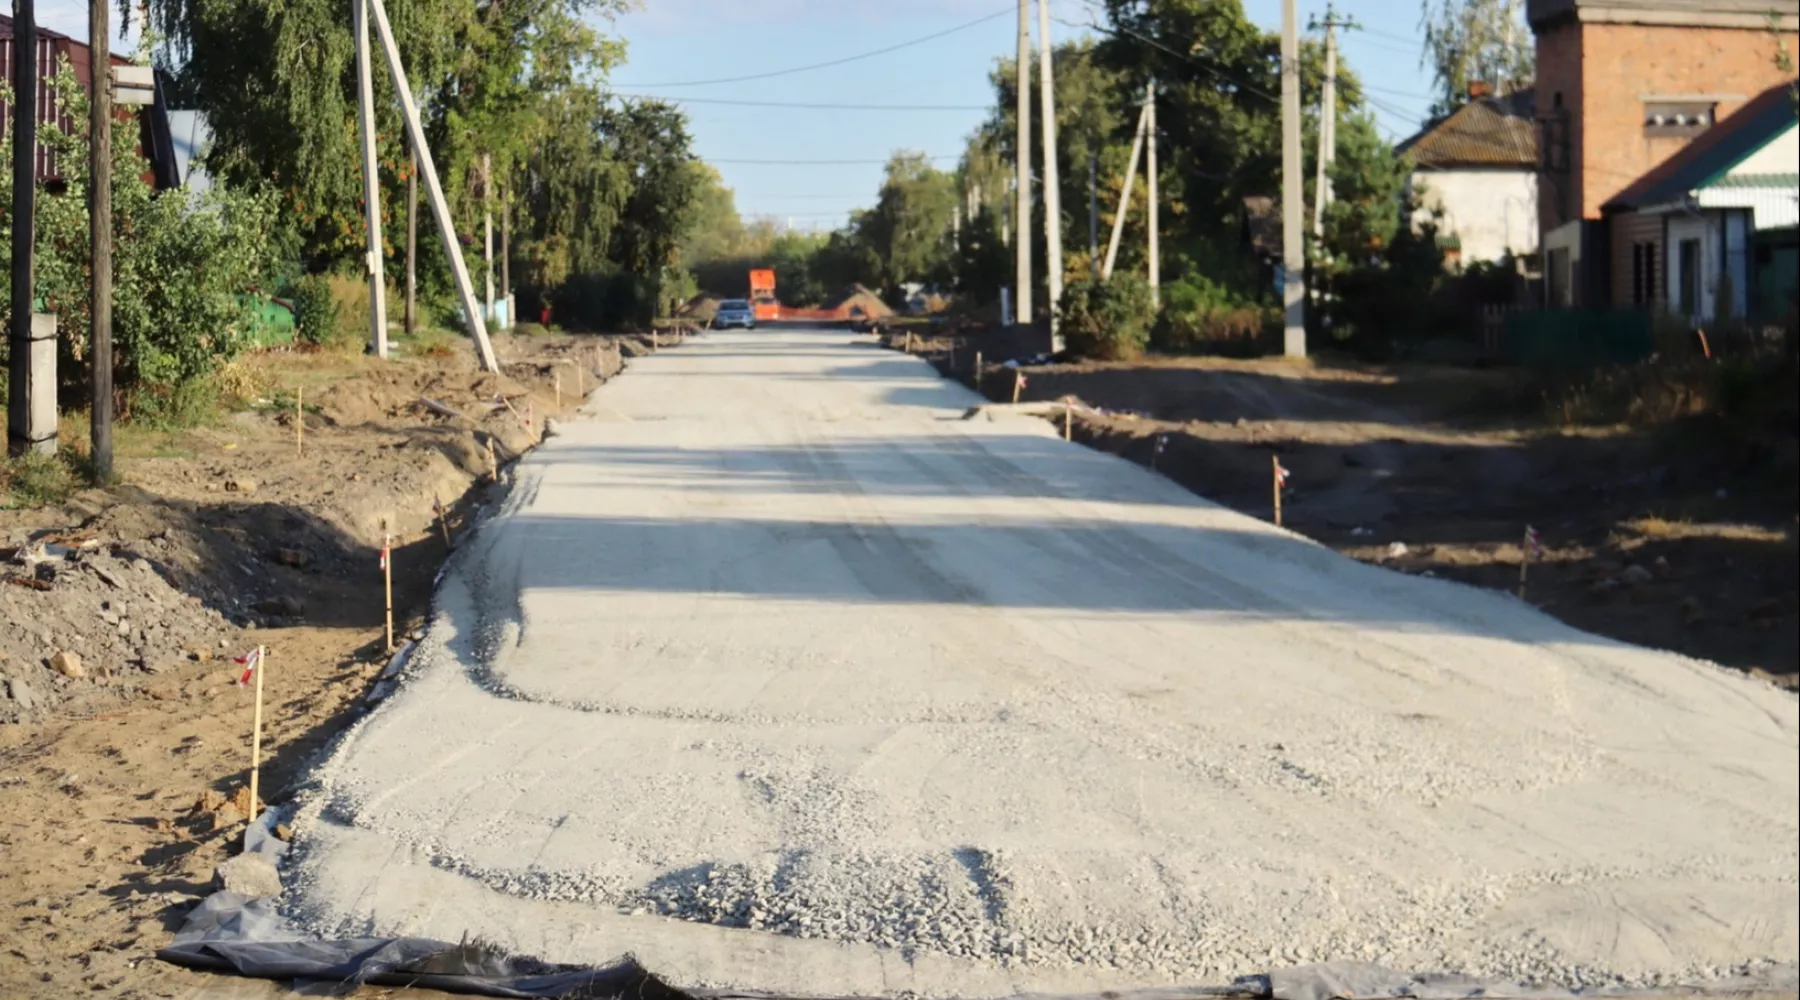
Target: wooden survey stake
493	463
556	381
1276	475
299	421
1532	547
1018	385
260	664
1068	421
437	505
387	584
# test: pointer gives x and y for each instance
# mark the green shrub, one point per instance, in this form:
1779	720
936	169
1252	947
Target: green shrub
35	480
1107	320
316	310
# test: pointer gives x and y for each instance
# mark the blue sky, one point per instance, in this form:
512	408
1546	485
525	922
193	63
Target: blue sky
681	41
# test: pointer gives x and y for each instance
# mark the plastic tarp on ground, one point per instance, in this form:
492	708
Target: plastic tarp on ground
229	932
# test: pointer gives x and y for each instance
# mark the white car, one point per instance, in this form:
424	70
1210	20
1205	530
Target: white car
734	312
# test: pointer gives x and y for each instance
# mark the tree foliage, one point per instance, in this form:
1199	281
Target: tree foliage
183	264
513	107
1467	41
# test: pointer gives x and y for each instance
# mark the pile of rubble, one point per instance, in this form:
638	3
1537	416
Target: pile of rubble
78	616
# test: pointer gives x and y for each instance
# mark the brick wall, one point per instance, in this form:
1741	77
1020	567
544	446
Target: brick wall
1605	70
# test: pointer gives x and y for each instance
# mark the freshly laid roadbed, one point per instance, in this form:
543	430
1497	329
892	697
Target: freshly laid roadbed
794	680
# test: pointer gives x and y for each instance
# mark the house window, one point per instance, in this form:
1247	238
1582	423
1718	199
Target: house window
1689	263
1650	284
1677	119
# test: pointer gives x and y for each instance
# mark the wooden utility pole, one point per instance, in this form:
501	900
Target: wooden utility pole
100	235
412	244
1118	228
1022	168
1053	236
459	270
24	214
506	256
1154	263
365	115
1293	246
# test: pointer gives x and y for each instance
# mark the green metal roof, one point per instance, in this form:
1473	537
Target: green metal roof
1791	180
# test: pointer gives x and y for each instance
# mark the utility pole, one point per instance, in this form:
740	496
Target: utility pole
1118	229
487	231
1022	167
1293	247
365	114
100	236
1094	212
459	270
1053	235
1155	252
506	257
19	397
1322	195
412	243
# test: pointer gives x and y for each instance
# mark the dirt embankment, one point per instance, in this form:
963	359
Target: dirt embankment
1668	538
121	610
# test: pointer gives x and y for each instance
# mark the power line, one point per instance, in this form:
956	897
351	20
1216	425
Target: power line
835	62
803	104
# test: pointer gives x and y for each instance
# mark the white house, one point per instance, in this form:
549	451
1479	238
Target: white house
1693	222
1476	173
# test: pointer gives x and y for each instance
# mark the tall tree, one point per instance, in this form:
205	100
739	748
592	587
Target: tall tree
1467	41
909	229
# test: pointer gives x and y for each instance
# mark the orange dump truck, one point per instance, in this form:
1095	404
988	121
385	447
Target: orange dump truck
762	295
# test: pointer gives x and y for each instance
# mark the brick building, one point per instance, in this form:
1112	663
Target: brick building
52	48
1622	85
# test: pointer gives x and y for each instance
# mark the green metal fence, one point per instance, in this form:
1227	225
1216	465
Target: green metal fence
1577	338
271	322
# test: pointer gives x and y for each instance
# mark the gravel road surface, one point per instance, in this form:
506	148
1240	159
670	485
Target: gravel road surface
778	673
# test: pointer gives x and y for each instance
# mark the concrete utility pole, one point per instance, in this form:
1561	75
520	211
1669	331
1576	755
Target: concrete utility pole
1322	194
100	236
29	384
1022	166
365	115
1293	246
459	270
487	230
411	322
1094	213
1155	251
1053	230
1118	229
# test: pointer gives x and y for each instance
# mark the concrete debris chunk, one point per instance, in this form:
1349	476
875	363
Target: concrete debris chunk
68	664
250	875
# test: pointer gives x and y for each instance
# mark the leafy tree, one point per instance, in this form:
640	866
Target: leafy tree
183	264
1475	40
909	229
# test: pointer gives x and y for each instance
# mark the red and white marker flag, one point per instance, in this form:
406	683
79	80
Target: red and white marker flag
1021	380
387	542
1533	543
251	661
1162	441
1281	473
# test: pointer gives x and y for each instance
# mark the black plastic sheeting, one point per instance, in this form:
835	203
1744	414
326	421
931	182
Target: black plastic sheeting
231	933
